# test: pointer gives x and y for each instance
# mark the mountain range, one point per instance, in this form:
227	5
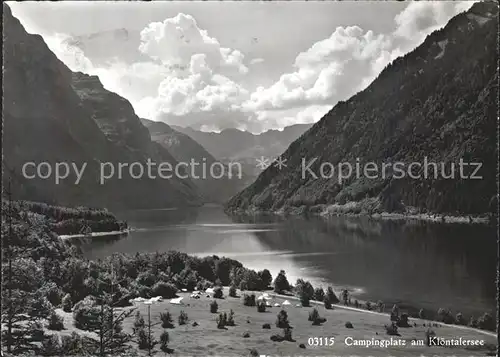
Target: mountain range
437	103
184	149
244	147
53	115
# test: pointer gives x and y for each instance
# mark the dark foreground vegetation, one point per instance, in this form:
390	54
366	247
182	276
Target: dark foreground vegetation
42	273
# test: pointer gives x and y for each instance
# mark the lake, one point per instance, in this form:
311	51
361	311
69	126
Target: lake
421	264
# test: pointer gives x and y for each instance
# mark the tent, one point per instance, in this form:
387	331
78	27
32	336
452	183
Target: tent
286	302
139	299
262	297
209	291
177	301
156	299
277	305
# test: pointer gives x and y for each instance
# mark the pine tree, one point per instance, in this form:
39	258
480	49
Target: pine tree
112	339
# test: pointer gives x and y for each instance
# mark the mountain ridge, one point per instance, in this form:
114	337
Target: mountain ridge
53	115
433	102
185	149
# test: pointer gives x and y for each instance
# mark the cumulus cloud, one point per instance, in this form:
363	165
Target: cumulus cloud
186	77
175	40
421	18
199	91
336	68
329	71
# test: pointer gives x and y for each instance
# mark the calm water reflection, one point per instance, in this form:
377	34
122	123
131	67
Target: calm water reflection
422	264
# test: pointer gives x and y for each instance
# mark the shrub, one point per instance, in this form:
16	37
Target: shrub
459	319
313	315
282	320
328	304
52	292
428	335
55	322
261	306
249	300
486	322
183	318
194	324
218	294
146	278
331	296
214	307
368	305
230	319
315	318
144	341
281	283
348	324
305	291
254	353
266	326
472	322
250	280
71	345
221	320
380	306
304	300
266	278
67	303
143	291
86	314
319	294
139	322
395	310
166	320
246	335
165	290
51	346
392	329
232	291
164	340
445	316
403	321
302	346
287	334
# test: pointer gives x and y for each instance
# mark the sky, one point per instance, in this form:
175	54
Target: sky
249	65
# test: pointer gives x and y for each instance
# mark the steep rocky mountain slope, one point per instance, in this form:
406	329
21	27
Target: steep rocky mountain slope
54	115
184	149
244	147
438	102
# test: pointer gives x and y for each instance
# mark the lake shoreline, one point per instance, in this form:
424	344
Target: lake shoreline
95	234
335	210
